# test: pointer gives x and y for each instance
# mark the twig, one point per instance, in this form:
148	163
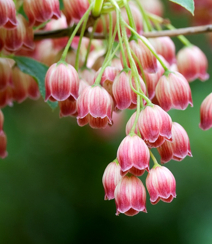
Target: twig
66	32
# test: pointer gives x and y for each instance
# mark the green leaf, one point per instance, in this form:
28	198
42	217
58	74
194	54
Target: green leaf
61	4
37	71
187	4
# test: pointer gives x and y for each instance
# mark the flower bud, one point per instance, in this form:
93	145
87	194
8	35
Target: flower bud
147	60
173	91
3	145
206	113
161	184
94	106
39	11
154	122
123	95
178	148
192	63
7	14
130	196
165	47
133	155
61	82
110	179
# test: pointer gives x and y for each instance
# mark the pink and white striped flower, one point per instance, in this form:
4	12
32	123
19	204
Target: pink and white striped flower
130	196
133	155
192	63
7	14
39	11
61	82
21	36
147	60
173	91
110	179
123	95
178	148
206	113
165	47
94	106
75	9
161	185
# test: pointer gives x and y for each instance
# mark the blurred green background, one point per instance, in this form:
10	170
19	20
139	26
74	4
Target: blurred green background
51	190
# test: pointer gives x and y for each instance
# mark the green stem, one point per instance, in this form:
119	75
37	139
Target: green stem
154	159
148	46
116	161
129	14
182	38
79	43
89	44
64	54
118	17
145	17
98	79
97	7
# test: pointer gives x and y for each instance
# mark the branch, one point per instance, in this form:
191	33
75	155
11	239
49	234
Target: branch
67	32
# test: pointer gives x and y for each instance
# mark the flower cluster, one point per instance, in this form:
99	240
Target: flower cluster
93	84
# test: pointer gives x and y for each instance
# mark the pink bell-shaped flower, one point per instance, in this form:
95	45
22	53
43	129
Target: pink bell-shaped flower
75	9
123	95
39	11
206	113
94	106
110	179
173	91
178	148
133	155
21	36
147	60
154	122
7	14
61	82
165	47
192	63
6	97
161	184
130	196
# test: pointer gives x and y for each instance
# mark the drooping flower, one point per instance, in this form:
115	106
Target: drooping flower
192	63
95	107
61	82
133	155
39	11
110	179
206	113
130	196
178	148
7	14
173	91
161	184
